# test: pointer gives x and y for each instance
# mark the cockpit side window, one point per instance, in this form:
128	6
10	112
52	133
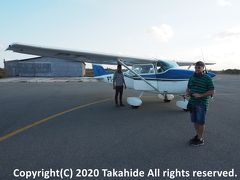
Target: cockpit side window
143	68
160	67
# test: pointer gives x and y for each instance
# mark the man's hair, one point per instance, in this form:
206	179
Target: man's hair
119	66
200	63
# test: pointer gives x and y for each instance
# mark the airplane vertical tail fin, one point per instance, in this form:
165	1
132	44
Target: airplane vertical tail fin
98	70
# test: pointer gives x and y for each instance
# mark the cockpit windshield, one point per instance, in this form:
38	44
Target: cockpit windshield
161	66
165	65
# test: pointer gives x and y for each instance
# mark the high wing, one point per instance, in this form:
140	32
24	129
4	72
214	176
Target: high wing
181	63
87	57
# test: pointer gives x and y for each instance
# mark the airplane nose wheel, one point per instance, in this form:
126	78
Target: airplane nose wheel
183	105
166	100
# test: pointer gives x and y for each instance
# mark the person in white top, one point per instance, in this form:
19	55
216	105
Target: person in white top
118	83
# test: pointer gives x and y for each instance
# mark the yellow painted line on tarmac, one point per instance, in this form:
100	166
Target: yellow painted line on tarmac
13	133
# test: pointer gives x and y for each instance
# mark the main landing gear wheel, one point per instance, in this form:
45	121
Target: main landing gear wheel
167	101
135	107
166	97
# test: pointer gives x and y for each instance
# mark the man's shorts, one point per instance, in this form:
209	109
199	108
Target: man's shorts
198	113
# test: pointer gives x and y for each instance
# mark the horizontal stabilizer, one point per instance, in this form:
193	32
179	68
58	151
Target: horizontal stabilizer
98	70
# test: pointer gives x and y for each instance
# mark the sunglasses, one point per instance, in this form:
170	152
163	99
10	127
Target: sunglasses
198	67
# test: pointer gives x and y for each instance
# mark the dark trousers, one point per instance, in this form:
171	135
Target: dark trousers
119	91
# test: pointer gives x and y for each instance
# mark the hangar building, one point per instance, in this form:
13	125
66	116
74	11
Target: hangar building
44	67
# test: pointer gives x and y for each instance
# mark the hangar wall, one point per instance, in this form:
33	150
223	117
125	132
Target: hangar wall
44	67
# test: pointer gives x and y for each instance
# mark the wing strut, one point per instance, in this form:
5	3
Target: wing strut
121	62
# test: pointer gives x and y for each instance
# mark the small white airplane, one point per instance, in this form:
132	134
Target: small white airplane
162	77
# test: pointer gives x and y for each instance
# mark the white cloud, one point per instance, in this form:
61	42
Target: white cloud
223	47
229	34
224	3
162	33
225	52
226	55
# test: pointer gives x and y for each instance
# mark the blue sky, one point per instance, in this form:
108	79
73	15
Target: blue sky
167	29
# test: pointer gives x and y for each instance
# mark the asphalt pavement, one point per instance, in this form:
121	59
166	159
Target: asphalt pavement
75	125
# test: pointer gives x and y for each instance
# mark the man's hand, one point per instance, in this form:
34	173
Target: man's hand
187	93
125	86
196	95
184	96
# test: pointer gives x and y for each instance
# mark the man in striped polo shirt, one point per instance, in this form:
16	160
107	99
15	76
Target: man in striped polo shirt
200	88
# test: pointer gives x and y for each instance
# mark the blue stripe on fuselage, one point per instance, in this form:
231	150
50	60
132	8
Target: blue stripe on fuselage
175	74
171	74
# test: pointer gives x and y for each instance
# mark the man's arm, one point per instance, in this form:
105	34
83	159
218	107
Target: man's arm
114	81
206	94
210	91
187	93
124	82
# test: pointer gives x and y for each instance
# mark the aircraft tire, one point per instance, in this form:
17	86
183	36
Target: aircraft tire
135	107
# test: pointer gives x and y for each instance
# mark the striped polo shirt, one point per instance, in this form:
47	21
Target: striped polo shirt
200	84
